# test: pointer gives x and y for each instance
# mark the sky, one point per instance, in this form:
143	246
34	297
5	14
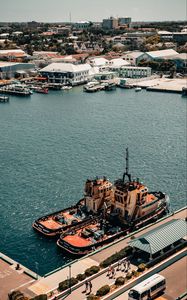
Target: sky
91	10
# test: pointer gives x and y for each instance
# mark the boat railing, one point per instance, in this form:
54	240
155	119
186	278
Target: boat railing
88	221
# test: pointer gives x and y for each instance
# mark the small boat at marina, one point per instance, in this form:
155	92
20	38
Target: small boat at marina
42	90
92	87
4	99
111	86
138	89
66	87
128	207
184	91
54	86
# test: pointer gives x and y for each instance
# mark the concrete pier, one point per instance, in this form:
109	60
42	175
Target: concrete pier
172	85
14	276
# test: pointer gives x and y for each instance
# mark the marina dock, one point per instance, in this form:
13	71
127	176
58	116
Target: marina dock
163	84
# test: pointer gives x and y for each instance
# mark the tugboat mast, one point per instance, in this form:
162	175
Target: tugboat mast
127	167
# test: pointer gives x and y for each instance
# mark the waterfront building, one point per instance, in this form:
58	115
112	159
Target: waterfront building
133	57
180	61
99	62
160	54
66	73
134	72
10	70
105	75
110	23
118	62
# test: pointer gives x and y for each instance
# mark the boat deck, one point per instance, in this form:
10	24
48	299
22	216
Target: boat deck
51	224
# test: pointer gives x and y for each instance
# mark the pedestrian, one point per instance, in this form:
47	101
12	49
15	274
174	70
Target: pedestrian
109	271
119	265
90	284
113	272
124	264
128	265
86	285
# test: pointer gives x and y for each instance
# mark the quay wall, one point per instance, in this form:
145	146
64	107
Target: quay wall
116	241
27	271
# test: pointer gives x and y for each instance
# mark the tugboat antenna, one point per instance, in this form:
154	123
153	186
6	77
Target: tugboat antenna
127	167
127	161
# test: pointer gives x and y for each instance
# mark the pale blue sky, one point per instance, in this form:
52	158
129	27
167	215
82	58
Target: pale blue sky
93	10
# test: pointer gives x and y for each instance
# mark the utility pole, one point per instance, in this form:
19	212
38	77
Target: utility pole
70	279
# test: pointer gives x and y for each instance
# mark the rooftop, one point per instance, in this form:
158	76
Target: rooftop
66	67
161	53
161	237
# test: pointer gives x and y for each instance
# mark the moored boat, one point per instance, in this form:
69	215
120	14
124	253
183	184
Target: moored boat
42	90
4	99
55	223
184	91
111	86
138	89
128	207
17	90
66	87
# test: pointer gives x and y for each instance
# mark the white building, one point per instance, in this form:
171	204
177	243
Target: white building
116	64
135	72
99	62
66	73
133	57
160	54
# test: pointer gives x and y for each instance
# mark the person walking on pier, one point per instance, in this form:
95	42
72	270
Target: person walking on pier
124	264
113	273
119	265
86	285
128	265
109	271
90	285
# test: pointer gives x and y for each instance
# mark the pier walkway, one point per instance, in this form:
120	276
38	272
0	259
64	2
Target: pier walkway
12	277
50	283
173	85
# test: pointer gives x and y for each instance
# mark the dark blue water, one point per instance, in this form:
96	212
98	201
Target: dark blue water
50	144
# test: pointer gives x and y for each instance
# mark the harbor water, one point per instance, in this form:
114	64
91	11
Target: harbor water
50	144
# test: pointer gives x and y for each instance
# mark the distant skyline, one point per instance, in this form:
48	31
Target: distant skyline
95	10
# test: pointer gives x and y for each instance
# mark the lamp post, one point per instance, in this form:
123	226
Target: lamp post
36	264
70	279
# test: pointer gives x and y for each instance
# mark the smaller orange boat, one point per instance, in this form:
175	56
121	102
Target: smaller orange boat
55	223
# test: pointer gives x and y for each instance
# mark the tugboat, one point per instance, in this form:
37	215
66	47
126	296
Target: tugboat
81	213
128	207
